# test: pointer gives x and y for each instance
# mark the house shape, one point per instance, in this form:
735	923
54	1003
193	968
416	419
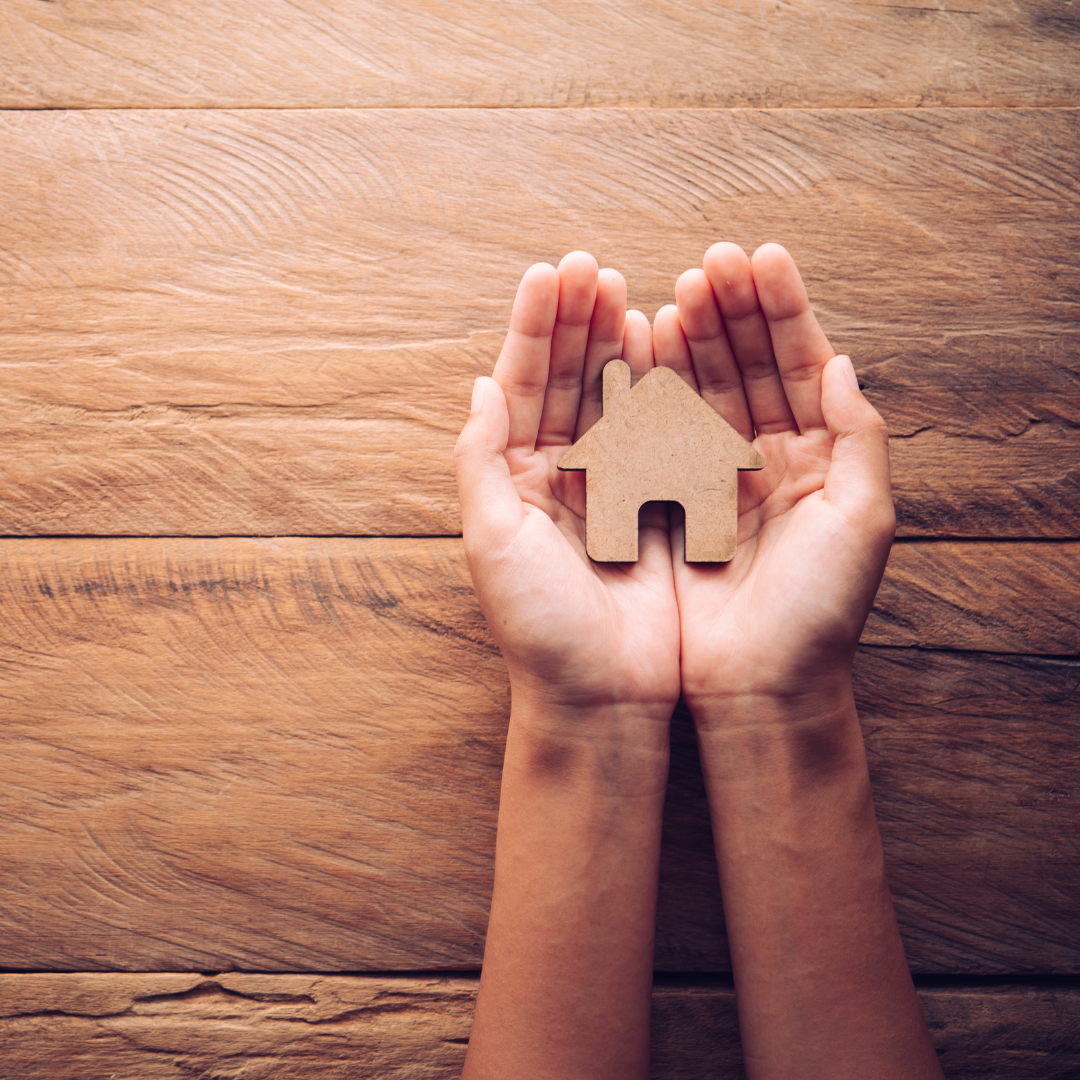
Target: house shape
659	441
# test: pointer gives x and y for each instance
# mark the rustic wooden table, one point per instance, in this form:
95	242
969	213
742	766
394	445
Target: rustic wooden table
253	255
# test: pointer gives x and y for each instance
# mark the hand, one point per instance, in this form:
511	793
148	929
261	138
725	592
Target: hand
782	619
574	633
593	656
767	644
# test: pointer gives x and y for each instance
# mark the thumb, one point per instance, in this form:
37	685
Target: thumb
858	481
491	509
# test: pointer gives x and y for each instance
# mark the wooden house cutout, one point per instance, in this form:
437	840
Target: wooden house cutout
659	441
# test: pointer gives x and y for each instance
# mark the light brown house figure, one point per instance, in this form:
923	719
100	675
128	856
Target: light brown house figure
659	441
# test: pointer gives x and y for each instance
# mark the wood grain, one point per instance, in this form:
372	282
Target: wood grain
1020	598
284	755
82	54
146	1027
973	759
176	1026
960	750
267	322
1005	1032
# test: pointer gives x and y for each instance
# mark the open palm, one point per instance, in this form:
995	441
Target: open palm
573	632
815	525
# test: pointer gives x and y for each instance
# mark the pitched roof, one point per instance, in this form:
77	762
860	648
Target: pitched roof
660	400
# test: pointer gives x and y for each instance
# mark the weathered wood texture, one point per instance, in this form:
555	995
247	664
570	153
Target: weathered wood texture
278	1027
993	1033
285	754
973	759
87	53
267	322
1013	597
259	1027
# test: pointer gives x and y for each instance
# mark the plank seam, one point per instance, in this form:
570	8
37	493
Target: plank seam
545	108
1003	541
661	979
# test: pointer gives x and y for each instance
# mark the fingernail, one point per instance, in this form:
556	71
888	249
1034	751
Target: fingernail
477	394
849	372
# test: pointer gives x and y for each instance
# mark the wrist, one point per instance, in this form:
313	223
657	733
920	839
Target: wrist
781	742
781	684
646	687
615	750
823	698
607	712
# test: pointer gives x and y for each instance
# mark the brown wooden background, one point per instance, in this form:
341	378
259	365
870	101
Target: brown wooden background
253	254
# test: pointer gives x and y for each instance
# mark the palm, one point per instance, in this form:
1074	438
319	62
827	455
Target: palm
764	618
812	536
578	631
814	525
617	623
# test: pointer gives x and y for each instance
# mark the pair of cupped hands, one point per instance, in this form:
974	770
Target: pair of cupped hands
780	620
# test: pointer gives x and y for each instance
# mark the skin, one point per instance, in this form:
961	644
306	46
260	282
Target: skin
593	656
767	646
760	648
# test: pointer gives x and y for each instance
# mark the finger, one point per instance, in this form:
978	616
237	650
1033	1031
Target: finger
636	349
729	274
605	343
857	482
637	345
638	352
522	367
677	534
491	509
654	546
577	299
718	377
669	344
799	344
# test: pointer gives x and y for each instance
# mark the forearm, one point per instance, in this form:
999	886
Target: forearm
822	982
565	989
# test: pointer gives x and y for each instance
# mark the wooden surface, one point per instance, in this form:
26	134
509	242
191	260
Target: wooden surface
262	748
268	322
250	262
95	53
265	1027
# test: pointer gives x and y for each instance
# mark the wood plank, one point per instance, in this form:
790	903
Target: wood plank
958	749
972	760
1013	597
151	1027
174	1026
231	323
285	754
991	1032
80	54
